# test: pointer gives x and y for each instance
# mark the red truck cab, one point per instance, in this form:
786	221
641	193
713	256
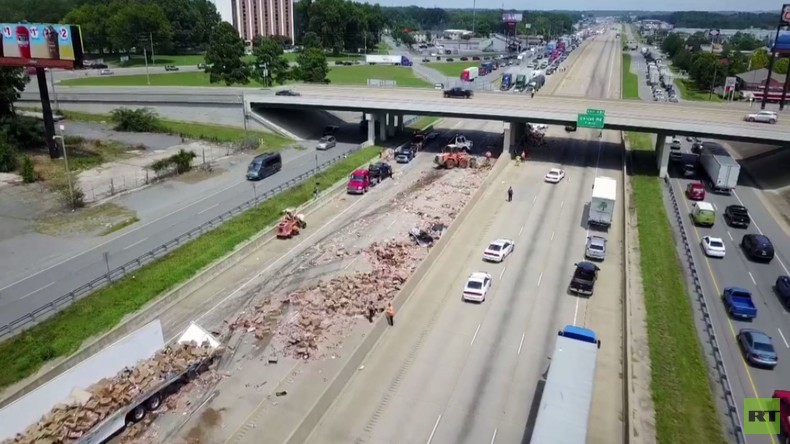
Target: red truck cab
695	191
358	182
784	413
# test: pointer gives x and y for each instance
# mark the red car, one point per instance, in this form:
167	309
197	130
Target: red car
695	191
359	182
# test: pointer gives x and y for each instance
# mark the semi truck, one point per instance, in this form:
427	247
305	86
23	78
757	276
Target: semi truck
387	60
70	386
507	82
564	409
470	74
537	82
602	203
721	169
521	82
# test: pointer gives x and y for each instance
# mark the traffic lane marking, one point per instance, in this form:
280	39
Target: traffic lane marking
733	334
37	290
783	337
135	244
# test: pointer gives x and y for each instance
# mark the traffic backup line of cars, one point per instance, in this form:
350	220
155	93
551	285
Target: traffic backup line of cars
756	346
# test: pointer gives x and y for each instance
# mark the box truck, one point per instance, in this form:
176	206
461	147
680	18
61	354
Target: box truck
470	74
387	60
604	195
721	169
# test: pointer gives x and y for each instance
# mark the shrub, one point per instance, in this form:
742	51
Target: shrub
180	163
141	120
8	159
249	144
23	132
28	172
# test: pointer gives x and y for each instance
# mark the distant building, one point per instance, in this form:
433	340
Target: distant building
253	18
455	34
755	80
764	35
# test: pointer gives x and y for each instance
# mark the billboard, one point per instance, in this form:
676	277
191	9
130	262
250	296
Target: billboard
782	44
512	17
785	19
41	44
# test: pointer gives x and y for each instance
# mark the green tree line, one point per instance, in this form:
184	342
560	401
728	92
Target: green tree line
712	20
703	66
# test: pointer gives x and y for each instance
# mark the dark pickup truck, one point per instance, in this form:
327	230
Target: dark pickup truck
737	216
738	302
584	278
379	171
458	92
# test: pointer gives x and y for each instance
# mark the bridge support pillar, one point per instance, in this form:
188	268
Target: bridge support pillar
509	140
662	154
400	123
371	129
390	125
382	121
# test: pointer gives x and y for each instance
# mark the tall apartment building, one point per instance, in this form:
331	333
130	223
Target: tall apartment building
252	18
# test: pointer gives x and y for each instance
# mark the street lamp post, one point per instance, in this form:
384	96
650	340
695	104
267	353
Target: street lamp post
66	160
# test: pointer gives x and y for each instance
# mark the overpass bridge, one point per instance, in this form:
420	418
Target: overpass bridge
389	105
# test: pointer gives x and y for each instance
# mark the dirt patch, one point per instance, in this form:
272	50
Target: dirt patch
199	174
209	418
99	220
82	154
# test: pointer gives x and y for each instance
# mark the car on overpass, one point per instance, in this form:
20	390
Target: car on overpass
287	92
763	116
458	92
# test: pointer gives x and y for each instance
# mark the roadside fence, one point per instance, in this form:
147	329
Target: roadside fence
378	83
724	380
113	274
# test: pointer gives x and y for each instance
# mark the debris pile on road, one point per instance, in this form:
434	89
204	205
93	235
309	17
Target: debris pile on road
67	422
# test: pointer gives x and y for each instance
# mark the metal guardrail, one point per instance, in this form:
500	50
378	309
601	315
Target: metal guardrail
41	313
724	381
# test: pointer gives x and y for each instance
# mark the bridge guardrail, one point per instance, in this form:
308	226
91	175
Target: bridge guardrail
41	313
724	381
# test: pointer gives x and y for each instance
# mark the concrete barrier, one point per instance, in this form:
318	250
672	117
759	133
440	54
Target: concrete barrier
321	406
155	308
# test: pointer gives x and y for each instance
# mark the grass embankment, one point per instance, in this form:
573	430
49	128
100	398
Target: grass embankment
689	91
137	61
685	409
202	131
630	80
452	69
423	122
345	75
100	311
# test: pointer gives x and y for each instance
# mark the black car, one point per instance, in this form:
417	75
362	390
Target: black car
426	60
464	59
287	92
737	216
330	130
379	171
782	289
458	92
449	59
758	247
570	128
584	278
696	147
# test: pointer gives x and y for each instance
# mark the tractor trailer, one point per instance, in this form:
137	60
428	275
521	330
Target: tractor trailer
721	169
602	203
387	60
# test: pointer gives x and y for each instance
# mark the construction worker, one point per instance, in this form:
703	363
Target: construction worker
371	311
532	94
390	315
509	194
518	160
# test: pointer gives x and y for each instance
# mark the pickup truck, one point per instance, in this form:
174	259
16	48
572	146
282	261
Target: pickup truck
584	277
737	216
458	92
738	302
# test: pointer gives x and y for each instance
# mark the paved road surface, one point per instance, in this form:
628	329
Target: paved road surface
736	270
37	284
451	372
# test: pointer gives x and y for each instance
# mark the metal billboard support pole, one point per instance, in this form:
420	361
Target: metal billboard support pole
784	92
147	74
770	66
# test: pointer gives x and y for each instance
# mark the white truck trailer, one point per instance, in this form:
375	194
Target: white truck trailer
604	196
721	169
70	386
376	59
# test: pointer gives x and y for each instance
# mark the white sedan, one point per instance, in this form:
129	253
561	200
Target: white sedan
498	250
713	246
555	175
477	286
761	116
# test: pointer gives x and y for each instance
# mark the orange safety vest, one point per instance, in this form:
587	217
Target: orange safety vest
391	311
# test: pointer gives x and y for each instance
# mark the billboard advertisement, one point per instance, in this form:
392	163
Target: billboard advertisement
512	17
41	44
782	44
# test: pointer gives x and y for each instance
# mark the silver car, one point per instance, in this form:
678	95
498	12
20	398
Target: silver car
326	142
596	248
762	116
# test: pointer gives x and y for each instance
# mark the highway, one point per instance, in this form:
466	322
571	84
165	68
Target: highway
736	270
453	372
41	286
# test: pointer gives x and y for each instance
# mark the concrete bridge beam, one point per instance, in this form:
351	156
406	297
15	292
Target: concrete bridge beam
662	154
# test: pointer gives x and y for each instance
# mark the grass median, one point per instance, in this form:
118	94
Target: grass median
202	131
630	80
100	311
685	408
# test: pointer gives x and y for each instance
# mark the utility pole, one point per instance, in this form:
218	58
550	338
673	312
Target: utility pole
151	40
474	9
147	74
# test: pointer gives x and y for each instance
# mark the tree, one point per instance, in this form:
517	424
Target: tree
312	66
683	60
224	57
270	65
136	23
781	65
12	82
696	40
673	44
705	67
311	40
93	20
760	59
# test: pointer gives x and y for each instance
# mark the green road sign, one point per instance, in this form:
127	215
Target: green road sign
589	121
595	112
